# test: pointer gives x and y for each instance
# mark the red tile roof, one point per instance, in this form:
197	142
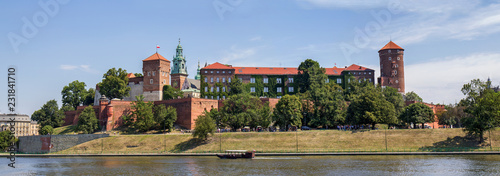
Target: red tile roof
265	70
333	71
217	65
391	45
355	67
155	56
130	75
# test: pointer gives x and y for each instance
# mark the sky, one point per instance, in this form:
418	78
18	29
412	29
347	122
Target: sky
54	42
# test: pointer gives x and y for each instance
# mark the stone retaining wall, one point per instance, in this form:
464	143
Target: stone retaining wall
54	143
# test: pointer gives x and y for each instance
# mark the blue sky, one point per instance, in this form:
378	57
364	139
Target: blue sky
447	43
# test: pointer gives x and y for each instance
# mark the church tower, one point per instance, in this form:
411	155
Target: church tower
156	71
392	67
179	70
198	75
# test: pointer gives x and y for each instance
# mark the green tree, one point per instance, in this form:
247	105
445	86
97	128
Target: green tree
67	108
412	96
170	92
236	86
49	114
371	108
138	75
329	105
310	73
74	94
355	88
141	118
6	140
165	117
483	106
395	98
87	121
204	125
452	116
47	129
240	109
287	112
417	113
114	84
89	97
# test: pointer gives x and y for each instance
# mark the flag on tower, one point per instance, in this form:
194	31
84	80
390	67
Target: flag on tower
157	46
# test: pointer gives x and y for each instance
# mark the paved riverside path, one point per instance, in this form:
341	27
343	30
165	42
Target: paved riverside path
260	154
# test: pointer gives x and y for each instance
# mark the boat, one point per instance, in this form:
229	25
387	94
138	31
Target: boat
235	154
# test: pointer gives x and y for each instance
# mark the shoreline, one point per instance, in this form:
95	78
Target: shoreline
260	154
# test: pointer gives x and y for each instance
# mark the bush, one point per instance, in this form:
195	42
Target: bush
47	129
205	125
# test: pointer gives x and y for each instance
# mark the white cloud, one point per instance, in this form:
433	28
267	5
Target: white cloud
239	57
440	80
256	38
85	68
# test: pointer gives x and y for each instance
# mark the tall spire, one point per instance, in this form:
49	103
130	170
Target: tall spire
179	61
198	75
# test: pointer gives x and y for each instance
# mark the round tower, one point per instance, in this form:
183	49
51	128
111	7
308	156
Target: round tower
392	71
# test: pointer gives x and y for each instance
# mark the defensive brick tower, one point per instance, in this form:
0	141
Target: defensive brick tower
392	71
156	71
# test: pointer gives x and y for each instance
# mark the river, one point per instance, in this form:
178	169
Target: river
303	165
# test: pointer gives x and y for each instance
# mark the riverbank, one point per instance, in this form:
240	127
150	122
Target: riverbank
317	141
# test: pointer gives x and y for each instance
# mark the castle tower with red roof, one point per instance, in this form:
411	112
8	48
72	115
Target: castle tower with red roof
156	71
392	67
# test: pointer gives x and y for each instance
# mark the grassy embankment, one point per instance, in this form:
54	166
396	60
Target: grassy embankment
308	141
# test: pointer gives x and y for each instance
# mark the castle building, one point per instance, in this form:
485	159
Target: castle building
392	67
271	82
156	71
23	125
179	70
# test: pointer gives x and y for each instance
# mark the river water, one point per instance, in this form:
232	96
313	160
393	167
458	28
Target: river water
303	165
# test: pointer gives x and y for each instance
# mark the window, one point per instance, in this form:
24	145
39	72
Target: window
223	80
217	71
265	80
223	71
399	89
369	73
290	80
211	97
389	51
223	89
217	97
389	57
252	80
266	89
211	89
217	79
359	80
290	89
206	89
241	79
206	79
365	73
223	97
278	89
370	79
397	81
153	73
229	80
150	81
278	97
164	82
218	89
212	72
252	89
149	73
398	58
211	80
339	80
229	71
327	80
396	65
206	72
278	80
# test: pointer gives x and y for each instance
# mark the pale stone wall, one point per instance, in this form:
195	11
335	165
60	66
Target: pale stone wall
135	90
153	95
42	143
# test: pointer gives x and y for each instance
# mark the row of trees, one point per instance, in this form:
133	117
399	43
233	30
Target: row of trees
146	116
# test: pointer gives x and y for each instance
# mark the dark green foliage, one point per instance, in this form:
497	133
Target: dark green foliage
141	116
329	105
288	112
412	96
482	106
114	84
138	75
171	93
47	129
74	94
370	107
6	140
87	121
310	73
89	97
243	109
204	125
49	114
417	113
452	116
236	86
165	117
392	96
67	108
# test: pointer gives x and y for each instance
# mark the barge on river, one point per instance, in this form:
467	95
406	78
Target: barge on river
235	154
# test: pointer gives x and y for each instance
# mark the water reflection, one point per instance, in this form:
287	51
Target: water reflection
306	165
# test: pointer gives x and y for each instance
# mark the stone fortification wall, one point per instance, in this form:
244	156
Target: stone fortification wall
54	143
